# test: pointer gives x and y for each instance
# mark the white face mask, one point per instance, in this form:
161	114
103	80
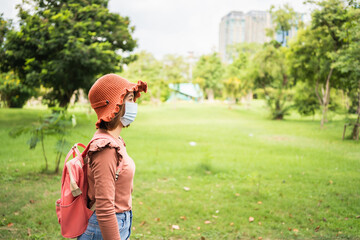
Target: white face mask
130	113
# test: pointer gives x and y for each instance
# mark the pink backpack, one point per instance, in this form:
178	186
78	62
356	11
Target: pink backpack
71	209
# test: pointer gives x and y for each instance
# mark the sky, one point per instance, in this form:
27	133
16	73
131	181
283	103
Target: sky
177	26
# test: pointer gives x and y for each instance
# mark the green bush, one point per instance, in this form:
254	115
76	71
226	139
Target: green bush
13	93
305	100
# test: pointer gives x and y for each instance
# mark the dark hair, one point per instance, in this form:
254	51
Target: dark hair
113	123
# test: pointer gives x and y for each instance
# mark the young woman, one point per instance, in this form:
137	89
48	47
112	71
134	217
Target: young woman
110	169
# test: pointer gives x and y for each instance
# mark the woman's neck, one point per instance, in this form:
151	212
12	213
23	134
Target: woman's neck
116	132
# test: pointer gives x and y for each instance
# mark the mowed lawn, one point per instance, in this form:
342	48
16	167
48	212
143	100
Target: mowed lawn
247	177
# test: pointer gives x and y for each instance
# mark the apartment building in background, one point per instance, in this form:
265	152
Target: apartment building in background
238	27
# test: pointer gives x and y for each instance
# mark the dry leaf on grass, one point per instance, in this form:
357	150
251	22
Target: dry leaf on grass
251	219
156	219
317	228
183	217
207	222
231	224
237	194
142	223
259	202
29	232
10	224
295	230
186	188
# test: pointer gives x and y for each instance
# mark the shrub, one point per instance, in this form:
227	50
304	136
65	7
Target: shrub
13	93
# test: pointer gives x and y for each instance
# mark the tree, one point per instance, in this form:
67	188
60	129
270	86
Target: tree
237	82
147	68
64	45
309	62
354	3
13	93
284	18
311	51
270	73
347	60
174	70
4	28
56	124
208	73
270	66
305	100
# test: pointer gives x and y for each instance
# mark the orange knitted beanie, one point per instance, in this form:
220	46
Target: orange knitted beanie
107	95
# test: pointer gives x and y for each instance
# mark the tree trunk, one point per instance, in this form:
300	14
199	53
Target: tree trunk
278	111
317	92
210	94
43	150
355	132
58	156
324	115
58	163
65	99
325	99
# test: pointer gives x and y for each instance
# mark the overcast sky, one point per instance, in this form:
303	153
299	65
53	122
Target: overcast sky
177	26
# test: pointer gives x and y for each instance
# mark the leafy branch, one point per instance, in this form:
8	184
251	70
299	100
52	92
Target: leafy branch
56	124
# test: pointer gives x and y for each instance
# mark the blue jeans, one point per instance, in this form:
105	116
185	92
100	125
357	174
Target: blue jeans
93	229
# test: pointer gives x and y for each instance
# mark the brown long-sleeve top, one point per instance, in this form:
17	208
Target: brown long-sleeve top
110	196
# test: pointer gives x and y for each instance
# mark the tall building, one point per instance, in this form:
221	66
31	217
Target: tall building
238	27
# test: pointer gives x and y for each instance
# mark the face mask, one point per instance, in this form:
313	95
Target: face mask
130	113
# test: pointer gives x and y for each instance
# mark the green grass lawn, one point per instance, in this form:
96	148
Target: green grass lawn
295	180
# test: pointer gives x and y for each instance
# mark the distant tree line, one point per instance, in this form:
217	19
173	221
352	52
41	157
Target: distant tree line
309	73
312	72
63	46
